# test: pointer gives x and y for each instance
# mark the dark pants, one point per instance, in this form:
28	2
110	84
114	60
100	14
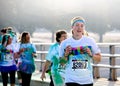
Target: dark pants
51	81
76	84
5	77
26	78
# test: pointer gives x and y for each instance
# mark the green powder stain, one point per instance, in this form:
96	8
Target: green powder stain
57	77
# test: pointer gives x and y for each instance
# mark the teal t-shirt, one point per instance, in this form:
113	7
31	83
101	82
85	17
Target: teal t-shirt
53	57
0	38
27	58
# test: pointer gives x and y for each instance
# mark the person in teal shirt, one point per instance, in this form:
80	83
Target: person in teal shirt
13	34
53	57
26	63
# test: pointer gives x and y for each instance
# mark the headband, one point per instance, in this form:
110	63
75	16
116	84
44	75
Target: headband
78	21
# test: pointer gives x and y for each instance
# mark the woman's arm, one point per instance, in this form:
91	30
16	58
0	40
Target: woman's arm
45	68
34	55
64	59
97	57
16	55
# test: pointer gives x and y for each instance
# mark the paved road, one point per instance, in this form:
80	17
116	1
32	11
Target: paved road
97	82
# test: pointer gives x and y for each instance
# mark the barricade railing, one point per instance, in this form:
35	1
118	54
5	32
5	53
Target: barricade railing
112	56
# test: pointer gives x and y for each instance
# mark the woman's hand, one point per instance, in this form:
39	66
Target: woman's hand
97	57
46	66
34	55
16	55
68	50
22	50
43	76
89	51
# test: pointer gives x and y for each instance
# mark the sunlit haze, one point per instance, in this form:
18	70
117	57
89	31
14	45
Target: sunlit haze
68	6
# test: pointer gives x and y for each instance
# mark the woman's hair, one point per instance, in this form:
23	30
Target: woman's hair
59	34
5	39
77	18
23	37
4	30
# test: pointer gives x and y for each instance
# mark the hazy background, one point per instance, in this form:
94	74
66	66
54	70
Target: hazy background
42	18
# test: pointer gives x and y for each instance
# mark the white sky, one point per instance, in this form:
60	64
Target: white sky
69	6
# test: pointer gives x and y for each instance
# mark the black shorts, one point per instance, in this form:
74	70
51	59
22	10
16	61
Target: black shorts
76	84
5	77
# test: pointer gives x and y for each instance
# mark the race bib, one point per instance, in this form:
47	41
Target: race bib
79	64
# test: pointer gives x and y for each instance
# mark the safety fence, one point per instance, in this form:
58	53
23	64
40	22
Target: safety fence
110	59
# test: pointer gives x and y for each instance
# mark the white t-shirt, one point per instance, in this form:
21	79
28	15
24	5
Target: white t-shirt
74	69
9	57
14	39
